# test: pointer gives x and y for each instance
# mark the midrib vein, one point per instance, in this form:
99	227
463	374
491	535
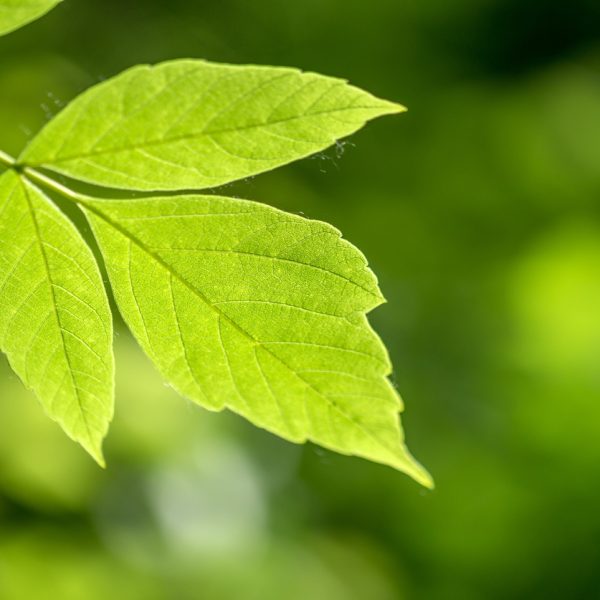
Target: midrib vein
50	282
196	135
157	258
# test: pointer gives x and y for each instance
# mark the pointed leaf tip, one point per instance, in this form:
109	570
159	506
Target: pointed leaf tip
55	320
192	125
245	307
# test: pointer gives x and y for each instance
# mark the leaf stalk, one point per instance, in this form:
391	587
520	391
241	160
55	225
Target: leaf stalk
6	160
54	185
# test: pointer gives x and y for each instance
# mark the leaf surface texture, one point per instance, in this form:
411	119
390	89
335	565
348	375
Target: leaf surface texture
245	307
240	306
191	124
55	321
16	13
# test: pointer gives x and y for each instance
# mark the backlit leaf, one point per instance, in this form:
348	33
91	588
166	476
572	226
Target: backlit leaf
16	13
248	308
55	322
191	124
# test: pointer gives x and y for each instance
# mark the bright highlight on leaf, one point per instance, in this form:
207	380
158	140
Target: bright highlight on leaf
245	307
191	124
240	306
16	13
55	322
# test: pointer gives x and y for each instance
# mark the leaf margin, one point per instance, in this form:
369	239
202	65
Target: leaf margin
407	464
33	16
33	157
92	444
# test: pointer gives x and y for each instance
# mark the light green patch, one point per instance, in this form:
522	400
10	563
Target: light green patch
191	124
245	307
17	13
55	322
241	306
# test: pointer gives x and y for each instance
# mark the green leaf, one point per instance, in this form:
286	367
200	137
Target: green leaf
16	13
191	124
55	321
245	307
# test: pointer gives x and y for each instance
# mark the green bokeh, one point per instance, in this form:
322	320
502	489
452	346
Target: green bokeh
480	211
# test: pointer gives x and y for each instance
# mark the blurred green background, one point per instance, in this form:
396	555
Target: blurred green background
479	210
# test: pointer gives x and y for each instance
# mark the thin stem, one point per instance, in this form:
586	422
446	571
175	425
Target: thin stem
6	160
64	191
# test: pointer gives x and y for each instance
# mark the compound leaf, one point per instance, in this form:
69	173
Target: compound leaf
245	307
16	13
191	124
55	321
